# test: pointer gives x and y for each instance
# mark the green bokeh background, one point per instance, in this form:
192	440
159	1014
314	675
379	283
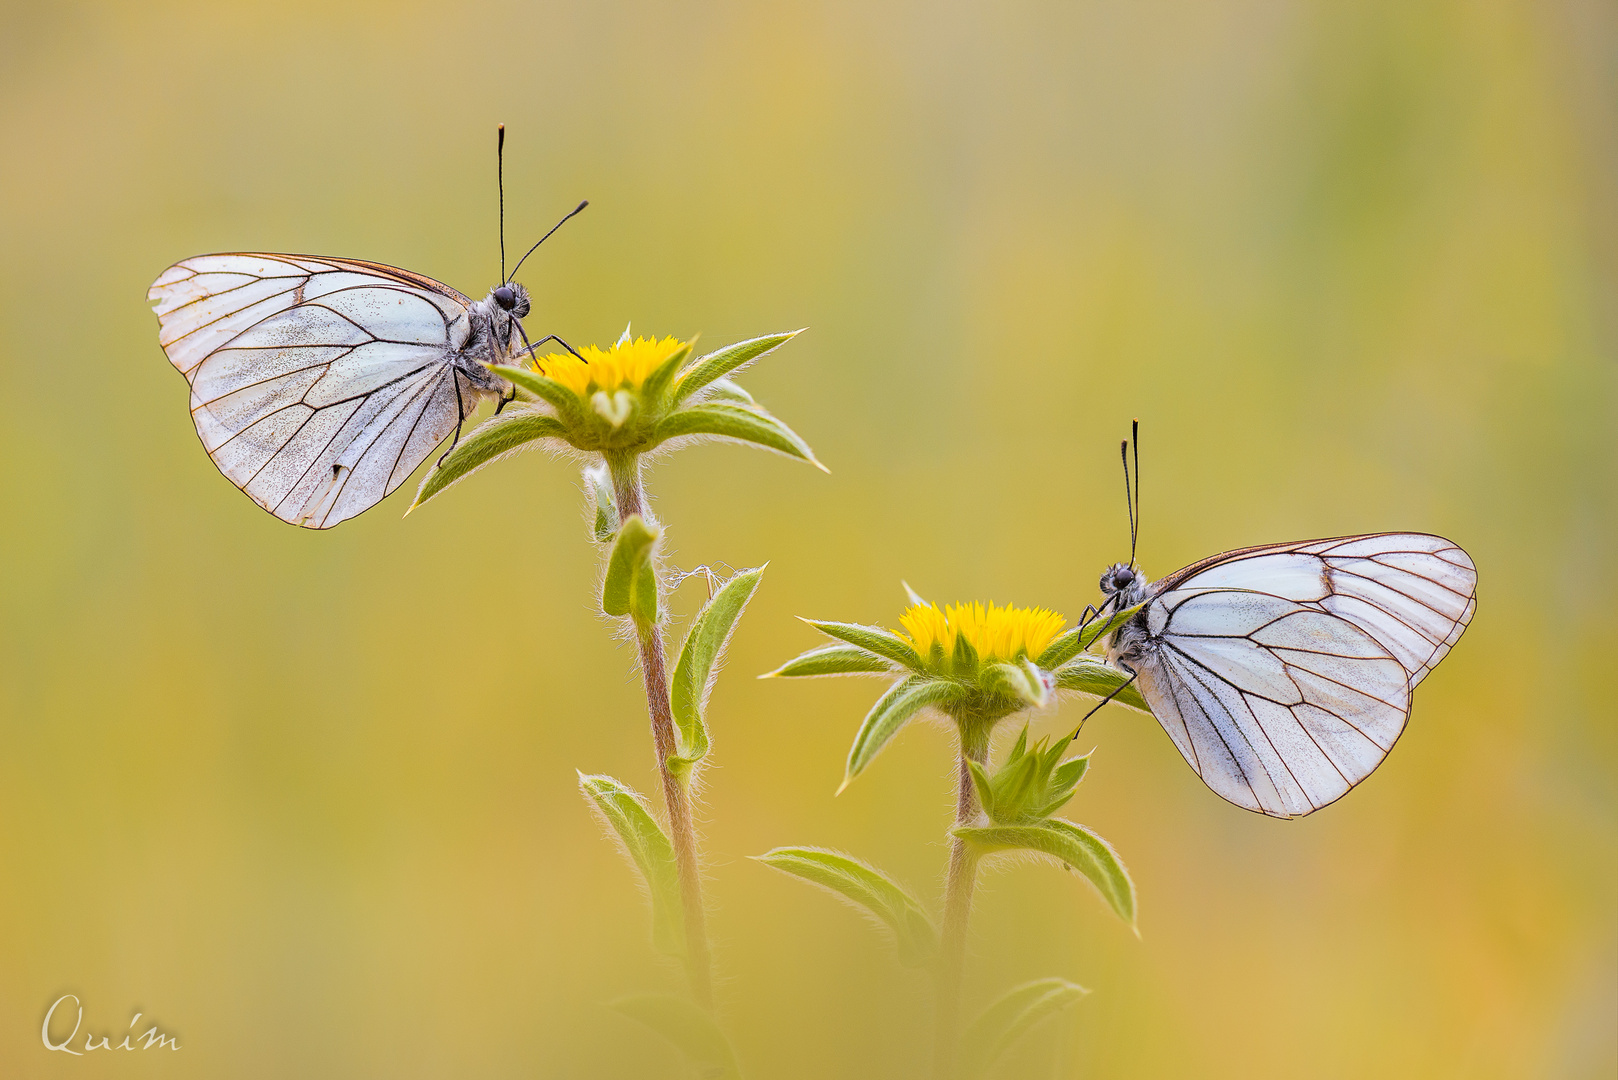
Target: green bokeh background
308	800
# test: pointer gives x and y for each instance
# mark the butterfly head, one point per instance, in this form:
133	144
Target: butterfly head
1125	579
512	298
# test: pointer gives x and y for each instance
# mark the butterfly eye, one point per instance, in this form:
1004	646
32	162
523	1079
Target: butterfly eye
505	297
1123	577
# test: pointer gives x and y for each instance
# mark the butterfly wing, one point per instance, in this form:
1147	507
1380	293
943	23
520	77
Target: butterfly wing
1283	674
317	385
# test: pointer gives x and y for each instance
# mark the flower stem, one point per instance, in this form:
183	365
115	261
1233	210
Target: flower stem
631	499
963	870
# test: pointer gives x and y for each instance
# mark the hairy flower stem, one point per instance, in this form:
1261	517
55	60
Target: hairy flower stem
963	871
631	499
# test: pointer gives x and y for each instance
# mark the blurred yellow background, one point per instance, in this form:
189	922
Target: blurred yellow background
308	801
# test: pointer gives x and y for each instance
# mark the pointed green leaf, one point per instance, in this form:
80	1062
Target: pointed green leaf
657	384
999	1026
493	438
689	1027
566	403
983	786
697	668
598	482
643	840
868	889
721	362
1072	642
873	639
752	425
1078	847
1093	675
831	660
891	712
630	587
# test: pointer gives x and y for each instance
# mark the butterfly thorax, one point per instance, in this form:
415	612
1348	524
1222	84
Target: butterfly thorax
1125	587
494	335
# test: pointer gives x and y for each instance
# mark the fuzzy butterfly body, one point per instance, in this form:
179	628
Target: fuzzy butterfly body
1283	674
317	384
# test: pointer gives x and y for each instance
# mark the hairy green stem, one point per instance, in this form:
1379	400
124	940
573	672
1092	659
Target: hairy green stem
963	870
631	499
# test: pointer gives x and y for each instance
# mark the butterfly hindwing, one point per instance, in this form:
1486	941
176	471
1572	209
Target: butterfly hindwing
317	385
1283	673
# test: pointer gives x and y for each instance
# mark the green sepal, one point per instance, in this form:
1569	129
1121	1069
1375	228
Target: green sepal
1022	680
598	482
630	587
494	437
963	663
1072	642
1073	845
998	1027
1093	675
747	424
983	784
566	403
1031	784
721	362
654	391
689	1027
697	668
873	639
903	700
648	847
831	660
867	888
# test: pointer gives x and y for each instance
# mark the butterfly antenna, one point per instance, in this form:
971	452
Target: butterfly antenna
1129	498
500	179
547	236
1134	535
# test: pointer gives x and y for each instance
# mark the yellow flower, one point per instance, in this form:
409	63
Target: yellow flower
997	633
624	366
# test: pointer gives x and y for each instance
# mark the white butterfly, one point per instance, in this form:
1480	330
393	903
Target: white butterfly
1284	673
318	385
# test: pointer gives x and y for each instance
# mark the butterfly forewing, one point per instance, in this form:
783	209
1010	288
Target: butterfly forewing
1283	673
317	385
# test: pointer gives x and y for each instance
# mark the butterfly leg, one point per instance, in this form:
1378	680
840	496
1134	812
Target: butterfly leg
559	341
460	416
1103	701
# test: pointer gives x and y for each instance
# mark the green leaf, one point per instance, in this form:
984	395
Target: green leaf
689	1027
721	362
598	481
752	425
831	660
903	700
983	785
648	847
630	587
1022	680
494	437
999	1026
1093	675
1072	642
873	639
963	662
696	670
868	889
566	403
1078	847
655	389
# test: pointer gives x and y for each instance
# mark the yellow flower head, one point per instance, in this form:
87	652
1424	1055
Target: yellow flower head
997	633
624	366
